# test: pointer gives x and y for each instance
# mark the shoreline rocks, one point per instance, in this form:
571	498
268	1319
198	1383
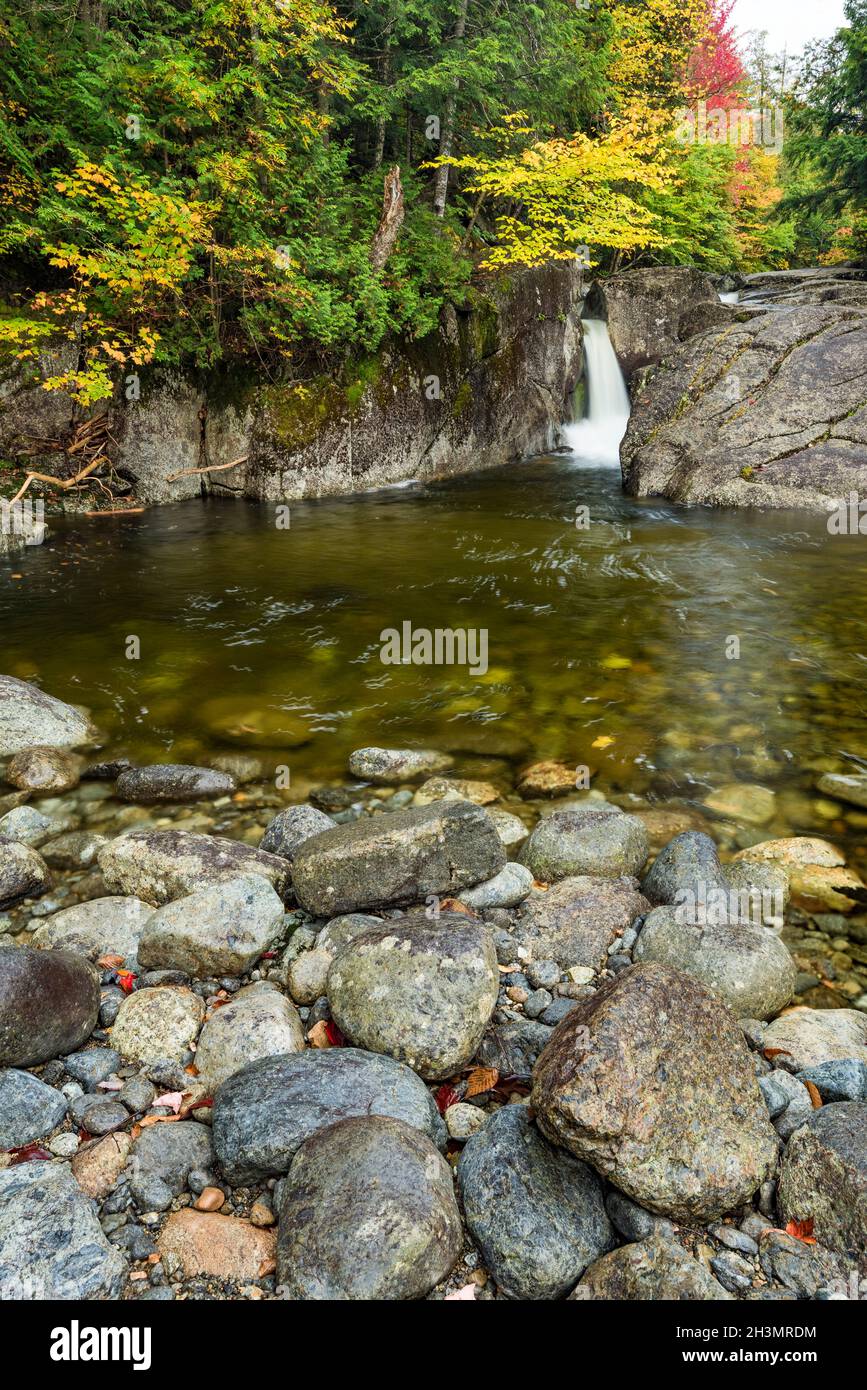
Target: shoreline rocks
420	991
398	859
161	865
49	1001
31	719
650	1082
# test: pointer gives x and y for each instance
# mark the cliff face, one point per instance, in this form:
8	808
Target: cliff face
492	384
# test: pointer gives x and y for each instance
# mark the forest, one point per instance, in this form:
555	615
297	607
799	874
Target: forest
197	181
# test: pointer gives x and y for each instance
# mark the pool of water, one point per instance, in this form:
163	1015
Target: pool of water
627	629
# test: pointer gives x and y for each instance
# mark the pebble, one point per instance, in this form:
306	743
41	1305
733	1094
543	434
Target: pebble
463	1121
210	1199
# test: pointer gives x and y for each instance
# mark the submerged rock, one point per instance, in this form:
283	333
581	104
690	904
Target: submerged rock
390	766
599	841
537	1213
30	719
851	787
400	858
547	779
51	1243
160	865
49	1002
26	826
420	991
173	782
220	930
264	1113
101	927
367	1212
651	1082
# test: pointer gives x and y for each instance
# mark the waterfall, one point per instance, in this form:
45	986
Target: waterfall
596	438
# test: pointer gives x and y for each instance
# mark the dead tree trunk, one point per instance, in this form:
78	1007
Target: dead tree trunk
390	222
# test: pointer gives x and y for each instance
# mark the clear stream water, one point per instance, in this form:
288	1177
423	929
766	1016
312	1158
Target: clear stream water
254	637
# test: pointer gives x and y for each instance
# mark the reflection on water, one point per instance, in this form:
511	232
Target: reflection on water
258	637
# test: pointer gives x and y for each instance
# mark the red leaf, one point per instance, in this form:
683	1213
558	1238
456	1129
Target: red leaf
26	1153
801	1230
335	1037
126	979
446	1096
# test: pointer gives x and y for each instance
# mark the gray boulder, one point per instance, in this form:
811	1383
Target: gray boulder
367	1212
508	888
23	872
746	966
44	771
51	1243
103	926
657	1269
173	782
28	1108
307	974
764	413
258	1022
161	865
688	865
650	1081
400	858
599	841
30	718
840	1080
167	1154
26	826
809	1037
824	1176
290	828
513	1048
264	1113
577	919
220	930
49	1001
390	766
644	310
536	1213
420	991
158	1024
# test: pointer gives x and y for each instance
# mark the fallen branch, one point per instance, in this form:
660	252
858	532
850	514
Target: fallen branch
64	483
211	468
118	511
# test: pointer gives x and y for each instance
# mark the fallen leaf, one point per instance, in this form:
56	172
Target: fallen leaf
446	1096
814	1094
126	979
603	741
27	1153
769	1052
465	1295
318	1035
172	1100
455	905
481	1079
801	1230
203	1103
158	1120
110	962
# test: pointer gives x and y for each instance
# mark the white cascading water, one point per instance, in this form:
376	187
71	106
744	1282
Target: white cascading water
730	297
596	439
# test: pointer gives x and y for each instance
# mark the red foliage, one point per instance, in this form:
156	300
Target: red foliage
26	1153
335	1037
446	1096
716	73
